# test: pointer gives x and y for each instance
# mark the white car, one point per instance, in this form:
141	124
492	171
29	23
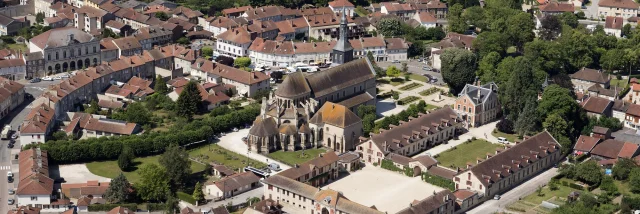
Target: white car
65	76
503	140
47	79
9	174
57	78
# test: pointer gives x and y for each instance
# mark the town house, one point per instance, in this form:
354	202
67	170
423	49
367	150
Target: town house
315	172
478	104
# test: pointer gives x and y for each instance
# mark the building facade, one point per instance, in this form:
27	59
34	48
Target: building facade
66	49
477	104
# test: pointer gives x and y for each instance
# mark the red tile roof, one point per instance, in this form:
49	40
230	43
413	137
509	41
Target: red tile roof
612	22
556	7
340	3
586	143
628	4
596	104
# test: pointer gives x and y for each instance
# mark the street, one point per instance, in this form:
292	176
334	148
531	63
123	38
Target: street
15	118
513	195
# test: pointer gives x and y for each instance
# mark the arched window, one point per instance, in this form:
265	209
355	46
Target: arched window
57	55
64	54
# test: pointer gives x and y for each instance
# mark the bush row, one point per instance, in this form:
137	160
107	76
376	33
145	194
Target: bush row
109	148
108	207
439	181
407	100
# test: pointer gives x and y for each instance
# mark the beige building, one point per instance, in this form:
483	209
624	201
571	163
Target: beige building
411	137
443	202
311	199
585	78
509	167
66	49
11	96
478	105
246	84
232	185
623	8
316	172
338	127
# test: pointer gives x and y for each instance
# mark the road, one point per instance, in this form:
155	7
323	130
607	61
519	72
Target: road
530	186
15	118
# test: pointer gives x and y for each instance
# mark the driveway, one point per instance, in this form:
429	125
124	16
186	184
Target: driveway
513	195
389	191
233	141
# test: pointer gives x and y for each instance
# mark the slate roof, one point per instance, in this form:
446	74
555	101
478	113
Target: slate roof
336	115
264	127
325	159
591	75
59	37
337	78
495	168
612	92
357	100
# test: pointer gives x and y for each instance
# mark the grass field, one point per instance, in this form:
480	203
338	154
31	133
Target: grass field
620	83
466	152
186	197
110	169
21	47
561	192
418	77
510	137
222	156
292	158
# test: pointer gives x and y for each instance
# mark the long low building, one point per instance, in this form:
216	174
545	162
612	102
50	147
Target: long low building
11	96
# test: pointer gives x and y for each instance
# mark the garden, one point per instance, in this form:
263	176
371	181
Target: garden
411	86
407	100
468	151
295	157
215	154
430	91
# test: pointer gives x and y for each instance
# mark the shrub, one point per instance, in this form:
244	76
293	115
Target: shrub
505	126
388	164
439	181
108	207
155	207
576	186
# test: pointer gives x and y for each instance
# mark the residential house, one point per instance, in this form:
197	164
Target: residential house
633	96
402	10
127	46
435	7
10	26
221	24
598	91
246	83
619	110
183	58
119	28
11	95
510	167
133	4
120	210
266	206
66	49
443	202
585	144
597	107
13	69
326	27
452	40
96	126
91	20
285	53
621	8
232	185
35	187
264	29
349	162
187	14
221	170
613	26
235	12
110	105
108	50
608	151
376	45
397	49
586	77
601	132
164	3
135	89
315	172
212	96
152	36
308	198
25	210
411	137
235	42
43	6
426	19
34	64
271	12
556	8
632	116
293	29
37	124
339	6
477	104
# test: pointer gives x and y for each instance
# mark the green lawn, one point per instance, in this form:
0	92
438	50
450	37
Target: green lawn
467	152
561	192
620	83
408	100
21	47
110	169
417	77
292	158
186	197
430	107
222	156
510	137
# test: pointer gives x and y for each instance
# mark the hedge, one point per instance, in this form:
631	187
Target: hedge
109	148
155	207
439	181
108	207
407	100
388	164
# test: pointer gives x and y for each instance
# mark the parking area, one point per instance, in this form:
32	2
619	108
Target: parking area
414	67
389	191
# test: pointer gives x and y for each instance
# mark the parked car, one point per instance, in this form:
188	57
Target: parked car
503	140
10	179
274	167
396	61
9	174
65	76
47	79
35	80
434	79
11	201
235	129
496	197
426	68
11	192
10	145
57	78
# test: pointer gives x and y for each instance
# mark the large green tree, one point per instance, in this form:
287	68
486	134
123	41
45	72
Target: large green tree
458	68
487	67
390	27
125	160
551	27
455	20
118	190
189	100
577	49
154	183
634	180
177	164
135	113
613	59
522	86
559	101
492	41
608	185
555	125
527	120
242	62
520	29
197	193
160	86
622	168
589	171
392	71
568	18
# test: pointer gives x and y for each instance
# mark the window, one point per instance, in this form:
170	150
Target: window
34	198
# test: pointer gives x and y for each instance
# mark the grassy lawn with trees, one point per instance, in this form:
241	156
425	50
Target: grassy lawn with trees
546	194
291	158
467	152
219	155
110	169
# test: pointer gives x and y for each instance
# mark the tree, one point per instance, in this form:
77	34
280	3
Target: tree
154	183
505	125
622	168
125	160
521	87
365	110
135	113
555	125
242	62
404	68
607	185
392	71
491	41
626	30
160	86
527	121
577	48
162	16
558	100
520	29
589	172
475	16
40	17
106	32
454	18
551	27
390	27
634	180
487	67
435	33
93	107
183	41
568	18
458	68
207	51
197	193
188	101
177	164
539	191
553	185
171	206
613	59
118	190
60	135
368	123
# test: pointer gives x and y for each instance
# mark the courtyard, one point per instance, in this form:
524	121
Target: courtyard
389	191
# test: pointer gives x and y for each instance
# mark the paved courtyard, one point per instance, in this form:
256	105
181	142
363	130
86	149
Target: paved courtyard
76	173
389	191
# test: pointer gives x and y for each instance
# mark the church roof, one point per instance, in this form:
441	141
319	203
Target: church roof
343	44
335	114
264	127
294	85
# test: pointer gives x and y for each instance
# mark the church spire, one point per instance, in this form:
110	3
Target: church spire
343	52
